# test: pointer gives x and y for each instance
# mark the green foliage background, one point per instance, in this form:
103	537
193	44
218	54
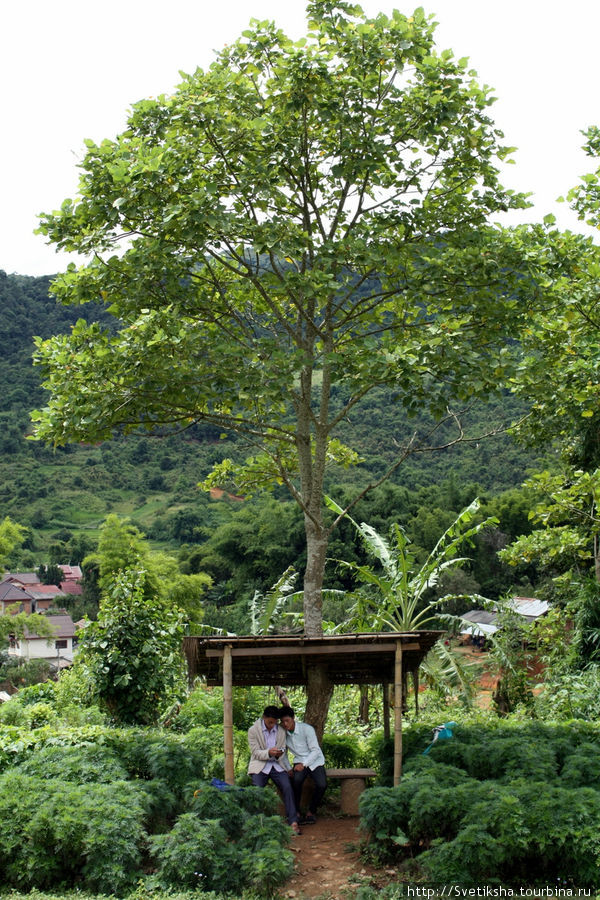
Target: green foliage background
63	496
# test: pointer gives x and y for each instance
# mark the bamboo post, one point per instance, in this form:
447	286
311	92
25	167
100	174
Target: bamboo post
228	714
398	714
386	710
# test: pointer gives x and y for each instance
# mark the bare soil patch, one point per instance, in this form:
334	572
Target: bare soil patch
327	861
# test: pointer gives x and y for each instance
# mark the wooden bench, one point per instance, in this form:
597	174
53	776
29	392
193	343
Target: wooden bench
353	782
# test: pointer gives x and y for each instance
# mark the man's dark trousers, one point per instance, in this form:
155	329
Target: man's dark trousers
282	780
320	779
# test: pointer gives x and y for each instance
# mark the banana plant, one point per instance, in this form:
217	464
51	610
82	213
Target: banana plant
267	609
447	673
392	596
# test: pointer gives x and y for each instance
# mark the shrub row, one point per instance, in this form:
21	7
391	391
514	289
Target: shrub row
95	807
145	753
515	804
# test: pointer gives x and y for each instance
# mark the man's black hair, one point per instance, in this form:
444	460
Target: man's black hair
286	711
271	712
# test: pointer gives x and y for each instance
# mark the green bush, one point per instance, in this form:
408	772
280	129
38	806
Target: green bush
18	744
384	815
188	855
510	757
259	830
176	760
528	834
80	805
21	673
232	807
32	715
12	713
132	652
145	753
341	751
210	803
582	768
267	866
54	709
77	764
517	804
44	692
572	696
54	832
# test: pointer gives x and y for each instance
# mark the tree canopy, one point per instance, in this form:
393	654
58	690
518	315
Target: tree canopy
299	218
559	377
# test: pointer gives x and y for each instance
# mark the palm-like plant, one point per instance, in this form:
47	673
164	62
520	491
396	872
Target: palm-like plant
393	595
444	671
267	609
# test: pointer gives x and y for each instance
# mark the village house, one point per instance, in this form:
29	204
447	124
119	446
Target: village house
24	592
16	597
58	649
481	622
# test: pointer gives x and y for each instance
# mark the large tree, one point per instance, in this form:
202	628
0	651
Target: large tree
559	377
292	227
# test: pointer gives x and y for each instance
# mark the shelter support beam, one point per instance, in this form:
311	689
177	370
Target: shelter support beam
228	714
385	688
398	714
308	651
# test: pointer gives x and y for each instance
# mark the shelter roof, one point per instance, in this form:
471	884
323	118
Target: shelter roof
365	658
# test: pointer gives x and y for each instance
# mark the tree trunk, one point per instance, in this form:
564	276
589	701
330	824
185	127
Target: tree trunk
319	687
319	692
415	677
404	692
386	710
363	707
316	551
311	462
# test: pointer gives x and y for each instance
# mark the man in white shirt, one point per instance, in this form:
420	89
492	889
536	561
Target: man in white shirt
302	742
268	760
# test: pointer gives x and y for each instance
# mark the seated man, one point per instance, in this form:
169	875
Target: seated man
268	759
302	741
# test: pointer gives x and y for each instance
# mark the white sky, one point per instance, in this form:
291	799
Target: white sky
69	69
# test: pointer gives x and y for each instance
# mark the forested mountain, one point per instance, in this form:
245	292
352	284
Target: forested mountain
63	495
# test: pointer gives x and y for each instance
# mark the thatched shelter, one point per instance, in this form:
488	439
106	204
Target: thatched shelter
367	658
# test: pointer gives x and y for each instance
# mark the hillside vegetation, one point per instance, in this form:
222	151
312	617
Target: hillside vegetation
62	496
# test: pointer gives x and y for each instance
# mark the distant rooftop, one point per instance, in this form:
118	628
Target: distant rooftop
483	621
62	624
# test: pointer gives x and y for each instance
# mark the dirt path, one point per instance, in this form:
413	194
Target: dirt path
325	866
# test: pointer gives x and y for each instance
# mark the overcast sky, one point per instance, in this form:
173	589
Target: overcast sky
69	69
